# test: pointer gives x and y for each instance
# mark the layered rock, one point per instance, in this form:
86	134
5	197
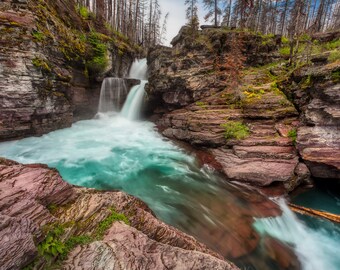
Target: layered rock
34	198
127	248
44	83
316	92
194	95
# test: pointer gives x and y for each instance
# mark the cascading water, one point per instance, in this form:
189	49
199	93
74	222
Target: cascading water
112	152
133	104
112	92
138	69
315	248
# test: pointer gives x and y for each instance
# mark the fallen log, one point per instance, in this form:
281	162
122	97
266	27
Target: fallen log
314	213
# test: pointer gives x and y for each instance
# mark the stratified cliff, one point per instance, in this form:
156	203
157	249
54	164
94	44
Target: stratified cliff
223	91
52	59
315	90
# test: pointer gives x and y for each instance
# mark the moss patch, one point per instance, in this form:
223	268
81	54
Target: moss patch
58	243
235	130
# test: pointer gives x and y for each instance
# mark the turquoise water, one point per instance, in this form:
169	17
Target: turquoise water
325	196
112	152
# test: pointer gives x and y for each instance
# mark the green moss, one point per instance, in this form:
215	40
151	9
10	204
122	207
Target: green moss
336	76
306	82
284	40
251	93
83	12
284	51
52	208
75	241
235	130
332	45
38	36
201	104
41	64
334	56
292	134
57	244
107	222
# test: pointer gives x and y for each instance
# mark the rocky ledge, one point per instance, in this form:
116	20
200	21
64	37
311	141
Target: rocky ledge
46	222
315	90
231	107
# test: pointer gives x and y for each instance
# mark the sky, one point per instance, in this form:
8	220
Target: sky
176	18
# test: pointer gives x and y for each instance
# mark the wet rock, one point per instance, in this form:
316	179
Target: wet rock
255	170
34	197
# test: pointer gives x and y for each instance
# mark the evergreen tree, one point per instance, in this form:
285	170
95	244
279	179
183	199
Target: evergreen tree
213	10
192	16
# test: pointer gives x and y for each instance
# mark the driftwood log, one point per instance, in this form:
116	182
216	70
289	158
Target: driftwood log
314	213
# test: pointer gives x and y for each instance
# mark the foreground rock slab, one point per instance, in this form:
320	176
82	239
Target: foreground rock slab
34	198
127	248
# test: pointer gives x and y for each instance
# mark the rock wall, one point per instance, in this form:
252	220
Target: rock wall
197	88
45	84
315	90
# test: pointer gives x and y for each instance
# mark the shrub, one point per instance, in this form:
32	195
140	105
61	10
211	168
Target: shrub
52	246
107	222
41	64
284	40
332	45
284	51
235	130
334	56
292	134
98	60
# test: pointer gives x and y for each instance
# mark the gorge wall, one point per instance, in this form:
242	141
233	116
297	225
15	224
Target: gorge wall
232	94
52	61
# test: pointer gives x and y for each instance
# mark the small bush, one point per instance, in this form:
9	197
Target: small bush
284	40
84	12
332	45
98	60
336	76
52	246
106	223
284	51
334	56
235	130
292	134
41	64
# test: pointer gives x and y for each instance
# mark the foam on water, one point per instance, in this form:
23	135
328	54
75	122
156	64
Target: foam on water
316	248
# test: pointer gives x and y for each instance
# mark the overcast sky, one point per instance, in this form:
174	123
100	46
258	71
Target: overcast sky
176	18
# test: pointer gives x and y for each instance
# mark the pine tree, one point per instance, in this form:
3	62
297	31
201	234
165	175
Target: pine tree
213	10
192	16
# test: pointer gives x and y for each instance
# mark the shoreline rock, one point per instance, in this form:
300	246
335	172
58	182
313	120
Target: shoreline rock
34	198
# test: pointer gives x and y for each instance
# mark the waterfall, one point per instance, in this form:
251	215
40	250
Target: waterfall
133	104
112	92
315	249
138	69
